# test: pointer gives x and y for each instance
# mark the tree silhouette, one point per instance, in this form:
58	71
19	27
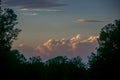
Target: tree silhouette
62	68
105	64
8	32
10	60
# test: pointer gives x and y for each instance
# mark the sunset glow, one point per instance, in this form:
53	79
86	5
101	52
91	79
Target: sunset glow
61	27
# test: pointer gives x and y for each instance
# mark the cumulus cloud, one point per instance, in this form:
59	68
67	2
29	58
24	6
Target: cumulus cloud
88	20
33	4
75	46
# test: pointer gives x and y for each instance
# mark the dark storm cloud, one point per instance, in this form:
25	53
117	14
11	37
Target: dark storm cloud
33	4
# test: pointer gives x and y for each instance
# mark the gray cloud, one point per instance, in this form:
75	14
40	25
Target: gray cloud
88	20
30	14
42	10
33	4
26	50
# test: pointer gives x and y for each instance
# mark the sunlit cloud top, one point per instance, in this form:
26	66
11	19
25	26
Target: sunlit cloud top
63	46
75	46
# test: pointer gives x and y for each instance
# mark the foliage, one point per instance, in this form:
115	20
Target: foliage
10	60
62	68
105	64
8	33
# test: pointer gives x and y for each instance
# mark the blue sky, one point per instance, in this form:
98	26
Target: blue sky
42	20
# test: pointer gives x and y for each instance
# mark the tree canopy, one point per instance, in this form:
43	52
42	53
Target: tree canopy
8	32
105	64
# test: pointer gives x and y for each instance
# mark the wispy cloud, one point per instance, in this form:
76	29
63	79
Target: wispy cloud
88	20
75	46
33	4
42	10
30	14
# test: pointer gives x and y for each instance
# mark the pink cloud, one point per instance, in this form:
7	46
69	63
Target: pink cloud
26	50
72	47
88	20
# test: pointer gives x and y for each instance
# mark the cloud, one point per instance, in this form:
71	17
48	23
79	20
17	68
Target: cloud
33	4
30	14
88	20
91	39
42	10
75	46
26	50
52	10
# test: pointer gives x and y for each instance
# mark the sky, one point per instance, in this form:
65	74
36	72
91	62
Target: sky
70	28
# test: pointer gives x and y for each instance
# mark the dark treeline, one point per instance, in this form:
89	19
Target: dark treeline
103	65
